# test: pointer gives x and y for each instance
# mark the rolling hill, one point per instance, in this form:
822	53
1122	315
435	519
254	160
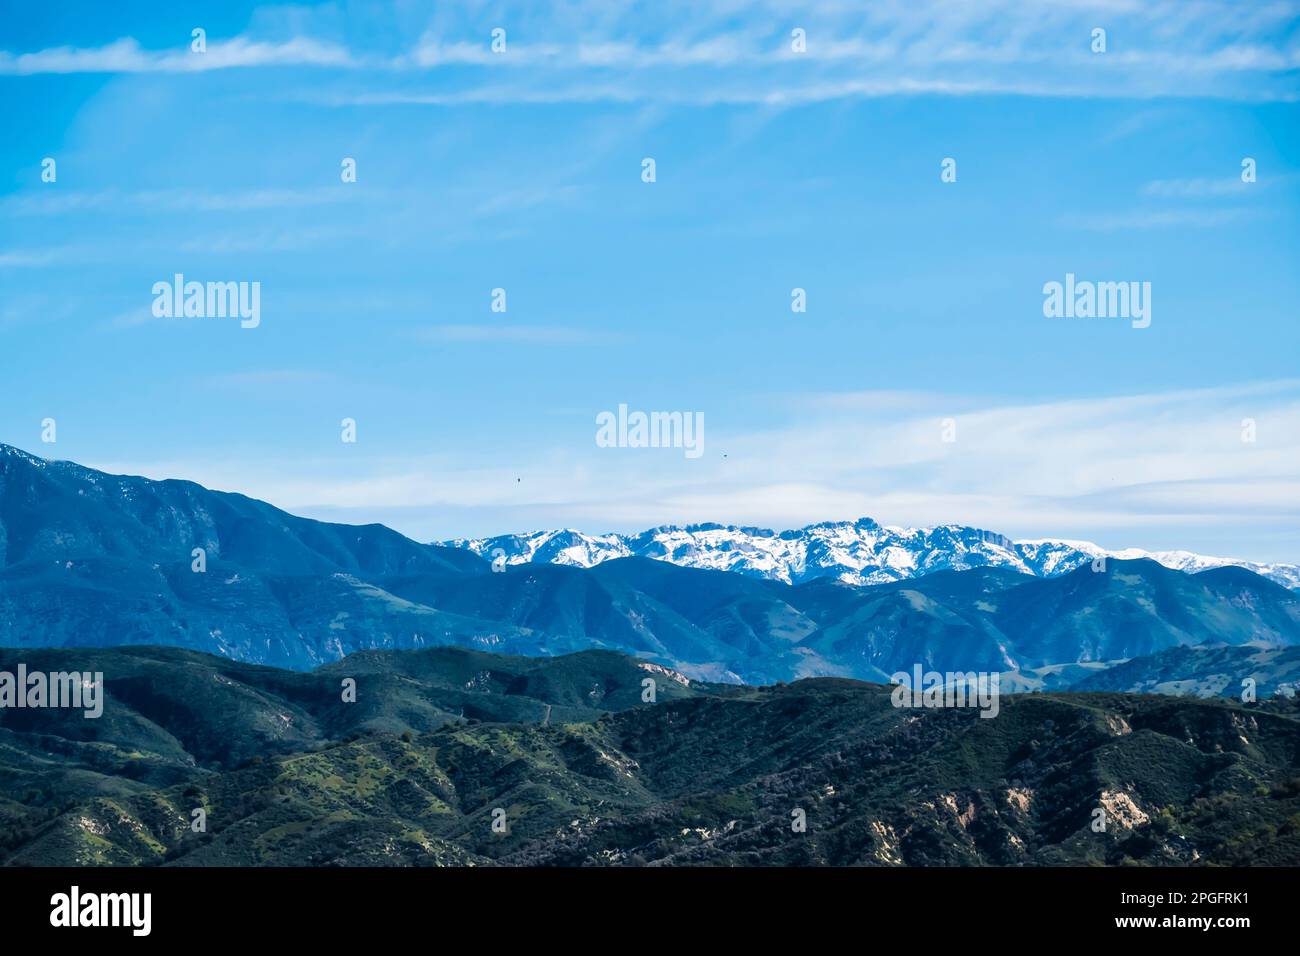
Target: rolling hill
582	772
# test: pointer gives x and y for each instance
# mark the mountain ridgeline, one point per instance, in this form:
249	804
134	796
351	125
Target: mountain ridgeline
281	691
456	757
95	560
856	552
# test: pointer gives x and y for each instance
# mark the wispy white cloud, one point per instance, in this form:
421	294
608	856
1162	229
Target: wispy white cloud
126	56
28	258
132	318
44	201
268	239
506	331
1162	219
269	378
1197	188
596	50
1130	470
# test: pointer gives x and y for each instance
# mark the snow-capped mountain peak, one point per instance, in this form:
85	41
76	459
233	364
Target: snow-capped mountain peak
857	552
563	546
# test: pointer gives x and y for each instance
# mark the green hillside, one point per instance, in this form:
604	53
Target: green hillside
586	773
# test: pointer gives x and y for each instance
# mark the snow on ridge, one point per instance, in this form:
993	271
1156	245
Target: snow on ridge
856	552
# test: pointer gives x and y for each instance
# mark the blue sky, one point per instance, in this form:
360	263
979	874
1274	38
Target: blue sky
775	170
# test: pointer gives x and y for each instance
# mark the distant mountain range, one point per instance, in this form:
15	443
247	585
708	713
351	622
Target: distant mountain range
95	560
856	552
582	771
555	735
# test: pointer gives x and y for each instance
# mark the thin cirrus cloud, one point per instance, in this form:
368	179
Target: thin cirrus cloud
269	378
1162	219
127	56
505	332
1196	188
28	258
1173	466
119	201
677	52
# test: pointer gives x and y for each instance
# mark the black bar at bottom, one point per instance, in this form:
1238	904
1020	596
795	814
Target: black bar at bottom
333	905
